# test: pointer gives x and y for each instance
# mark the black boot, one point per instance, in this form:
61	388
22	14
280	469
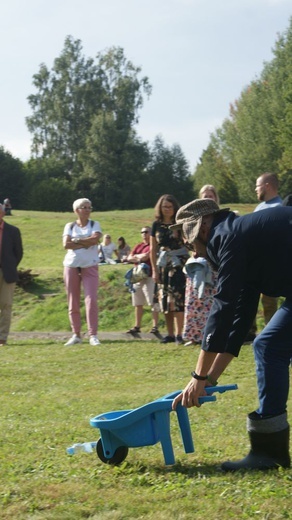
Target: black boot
269	439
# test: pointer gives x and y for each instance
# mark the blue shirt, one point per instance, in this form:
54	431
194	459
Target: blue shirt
253	255
268	204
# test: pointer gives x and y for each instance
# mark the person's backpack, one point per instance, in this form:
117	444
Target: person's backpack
136	274
101	254
140	272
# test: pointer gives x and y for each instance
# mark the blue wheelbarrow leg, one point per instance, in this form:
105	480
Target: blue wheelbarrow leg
185	429
163	425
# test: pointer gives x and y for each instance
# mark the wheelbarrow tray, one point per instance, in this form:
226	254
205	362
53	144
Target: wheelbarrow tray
136	427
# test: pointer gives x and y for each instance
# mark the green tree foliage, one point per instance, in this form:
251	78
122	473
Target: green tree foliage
83	125
67	97
112	170
73	94
12	179
214	170
46	187
167	172
280	81
257	135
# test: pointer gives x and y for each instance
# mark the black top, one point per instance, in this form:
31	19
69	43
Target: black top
11	252
253	255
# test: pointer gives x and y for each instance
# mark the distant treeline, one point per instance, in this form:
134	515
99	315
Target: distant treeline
84	141
257	135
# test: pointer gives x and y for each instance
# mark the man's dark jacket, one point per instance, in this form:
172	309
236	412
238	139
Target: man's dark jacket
253	255
11	252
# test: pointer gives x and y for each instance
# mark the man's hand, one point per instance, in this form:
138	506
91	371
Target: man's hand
190	395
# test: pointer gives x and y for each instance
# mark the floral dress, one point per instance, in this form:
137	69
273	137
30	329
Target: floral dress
197	309
170	290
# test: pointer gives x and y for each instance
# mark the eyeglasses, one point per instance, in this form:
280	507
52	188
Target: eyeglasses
86	207
144	231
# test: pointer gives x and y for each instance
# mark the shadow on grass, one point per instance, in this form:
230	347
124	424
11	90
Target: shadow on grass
40	288
190	470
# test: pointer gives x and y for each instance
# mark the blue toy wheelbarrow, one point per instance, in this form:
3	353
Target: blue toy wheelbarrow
146	426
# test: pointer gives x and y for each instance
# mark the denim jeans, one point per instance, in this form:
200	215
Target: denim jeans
272	352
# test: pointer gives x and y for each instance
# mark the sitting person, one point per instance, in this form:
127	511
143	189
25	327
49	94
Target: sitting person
106	250
7	207
143	291
123	250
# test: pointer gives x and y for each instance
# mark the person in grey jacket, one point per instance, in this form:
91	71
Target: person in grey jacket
11	253
245	251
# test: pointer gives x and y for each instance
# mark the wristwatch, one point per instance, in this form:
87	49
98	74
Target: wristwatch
76	240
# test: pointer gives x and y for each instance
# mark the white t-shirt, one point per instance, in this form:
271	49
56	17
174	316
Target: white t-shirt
81	257
108	250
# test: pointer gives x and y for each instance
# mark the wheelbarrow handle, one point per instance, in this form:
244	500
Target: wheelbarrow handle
220	388
207	399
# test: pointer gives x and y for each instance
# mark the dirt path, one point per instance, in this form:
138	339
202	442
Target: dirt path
102	336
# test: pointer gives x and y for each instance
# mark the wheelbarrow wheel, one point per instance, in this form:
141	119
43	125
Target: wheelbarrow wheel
117	458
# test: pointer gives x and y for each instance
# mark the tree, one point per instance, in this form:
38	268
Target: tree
74	93
257	135
12	179
213	169
112	165
280	81
47	188
66	100
167	172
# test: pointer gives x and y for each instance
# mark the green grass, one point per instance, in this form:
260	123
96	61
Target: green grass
48	395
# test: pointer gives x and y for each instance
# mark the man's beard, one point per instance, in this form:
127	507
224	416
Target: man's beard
262	197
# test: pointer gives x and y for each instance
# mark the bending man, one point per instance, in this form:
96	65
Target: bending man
245	251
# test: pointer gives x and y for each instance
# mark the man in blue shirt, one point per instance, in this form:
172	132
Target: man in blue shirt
267	191
267	186
246	252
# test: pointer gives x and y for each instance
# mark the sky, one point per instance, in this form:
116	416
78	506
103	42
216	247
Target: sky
198	55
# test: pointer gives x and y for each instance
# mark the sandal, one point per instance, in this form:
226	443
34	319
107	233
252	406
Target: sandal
133	330
154	330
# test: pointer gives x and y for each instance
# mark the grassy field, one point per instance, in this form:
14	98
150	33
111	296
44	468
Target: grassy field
42	306
49	393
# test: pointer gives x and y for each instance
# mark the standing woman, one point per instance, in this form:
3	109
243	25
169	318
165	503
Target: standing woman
80	239
197	307
168	256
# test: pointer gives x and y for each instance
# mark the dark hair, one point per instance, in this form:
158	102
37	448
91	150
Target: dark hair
165	198
270	178
122	245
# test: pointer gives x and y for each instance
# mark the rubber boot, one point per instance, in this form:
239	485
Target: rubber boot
269	439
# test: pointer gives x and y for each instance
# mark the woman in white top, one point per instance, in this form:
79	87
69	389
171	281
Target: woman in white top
80	239
106	250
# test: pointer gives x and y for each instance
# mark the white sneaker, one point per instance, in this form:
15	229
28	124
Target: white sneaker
73	341
94	341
